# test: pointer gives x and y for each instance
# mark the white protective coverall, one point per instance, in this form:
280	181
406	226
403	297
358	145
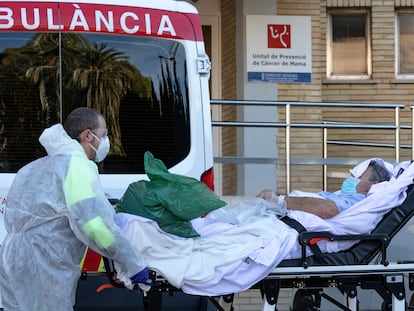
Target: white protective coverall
55	207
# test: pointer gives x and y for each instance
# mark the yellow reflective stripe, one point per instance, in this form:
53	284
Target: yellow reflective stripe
101	266
97	231
79	180
83	260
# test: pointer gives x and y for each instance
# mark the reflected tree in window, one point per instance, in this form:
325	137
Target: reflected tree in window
20	109
138	84
106	76
49	61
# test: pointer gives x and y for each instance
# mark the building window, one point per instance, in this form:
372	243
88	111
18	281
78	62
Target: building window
349	52
405	45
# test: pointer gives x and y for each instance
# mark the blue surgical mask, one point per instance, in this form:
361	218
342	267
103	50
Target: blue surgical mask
349	185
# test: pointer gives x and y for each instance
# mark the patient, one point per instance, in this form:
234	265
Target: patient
328	204
231	256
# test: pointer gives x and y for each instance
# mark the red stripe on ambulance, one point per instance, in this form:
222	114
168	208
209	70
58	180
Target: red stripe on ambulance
99	18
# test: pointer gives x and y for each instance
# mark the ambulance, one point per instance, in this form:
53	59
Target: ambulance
142	63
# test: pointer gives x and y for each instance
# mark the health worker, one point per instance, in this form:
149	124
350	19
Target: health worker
56	207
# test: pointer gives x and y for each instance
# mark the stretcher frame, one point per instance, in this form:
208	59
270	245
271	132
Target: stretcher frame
388	280
365	265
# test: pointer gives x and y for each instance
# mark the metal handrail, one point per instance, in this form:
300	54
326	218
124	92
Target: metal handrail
288	125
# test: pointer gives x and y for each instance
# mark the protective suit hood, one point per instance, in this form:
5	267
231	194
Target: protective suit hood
56	141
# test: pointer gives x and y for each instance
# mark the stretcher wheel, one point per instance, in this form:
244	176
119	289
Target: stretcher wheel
386	306
303	301
411	304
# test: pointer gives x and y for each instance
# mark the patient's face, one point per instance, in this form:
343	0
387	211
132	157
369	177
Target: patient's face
365	183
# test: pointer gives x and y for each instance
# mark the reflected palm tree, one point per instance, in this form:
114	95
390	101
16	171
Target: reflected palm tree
46	77
19	110
45	70
31	93
107	77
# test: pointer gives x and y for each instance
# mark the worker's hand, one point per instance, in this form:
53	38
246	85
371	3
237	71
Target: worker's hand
142	277
268	195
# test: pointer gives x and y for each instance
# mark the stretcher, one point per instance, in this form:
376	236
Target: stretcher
363	266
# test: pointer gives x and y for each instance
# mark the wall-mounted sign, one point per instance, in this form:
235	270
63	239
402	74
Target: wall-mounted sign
278	48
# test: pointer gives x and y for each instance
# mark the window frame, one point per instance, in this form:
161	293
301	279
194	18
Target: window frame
329	40
398	75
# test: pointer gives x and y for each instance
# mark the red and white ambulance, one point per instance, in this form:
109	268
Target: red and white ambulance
142	63
152	87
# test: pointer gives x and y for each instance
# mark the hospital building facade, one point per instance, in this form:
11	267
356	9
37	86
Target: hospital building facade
361	51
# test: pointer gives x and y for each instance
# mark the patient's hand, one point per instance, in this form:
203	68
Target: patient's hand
268	195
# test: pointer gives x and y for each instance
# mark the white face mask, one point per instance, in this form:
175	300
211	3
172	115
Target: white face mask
103	148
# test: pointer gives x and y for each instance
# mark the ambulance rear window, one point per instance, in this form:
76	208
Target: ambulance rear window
139	84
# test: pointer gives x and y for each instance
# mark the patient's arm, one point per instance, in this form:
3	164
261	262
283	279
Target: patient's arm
319	207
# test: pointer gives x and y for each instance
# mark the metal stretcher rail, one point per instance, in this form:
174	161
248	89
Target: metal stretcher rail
332	271
387	280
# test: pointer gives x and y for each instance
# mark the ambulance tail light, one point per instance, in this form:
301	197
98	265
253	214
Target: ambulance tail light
208	178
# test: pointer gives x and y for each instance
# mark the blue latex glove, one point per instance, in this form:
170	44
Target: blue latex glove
141	277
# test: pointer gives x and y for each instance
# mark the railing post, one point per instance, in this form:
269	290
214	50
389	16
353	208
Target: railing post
397	134
325	156
287	138
412	132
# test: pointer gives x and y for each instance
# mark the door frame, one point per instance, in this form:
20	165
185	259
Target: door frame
213	20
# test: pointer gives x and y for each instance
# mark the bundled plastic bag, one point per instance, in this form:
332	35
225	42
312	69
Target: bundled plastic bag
171	200
248	211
